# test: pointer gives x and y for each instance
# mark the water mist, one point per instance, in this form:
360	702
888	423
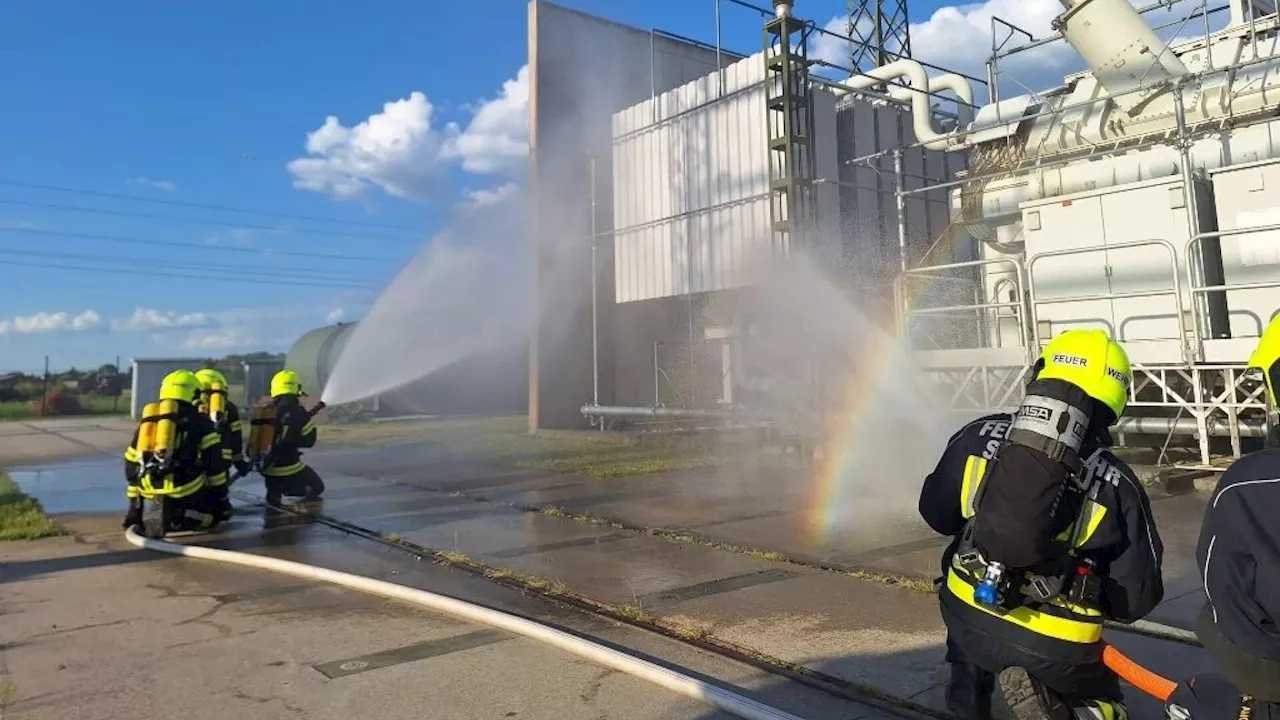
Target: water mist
464	293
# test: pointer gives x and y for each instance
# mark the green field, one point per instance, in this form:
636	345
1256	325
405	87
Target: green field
91	405
21	517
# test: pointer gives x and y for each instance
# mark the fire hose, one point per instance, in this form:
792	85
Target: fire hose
1148	682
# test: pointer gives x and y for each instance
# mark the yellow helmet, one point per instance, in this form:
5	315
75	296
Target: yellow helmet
1093	362
209	376
286	382
1267	354
180	385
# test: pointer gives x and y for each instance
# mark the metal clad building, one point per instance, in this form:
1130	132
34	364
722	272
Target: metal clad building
147	374
690	184
582	70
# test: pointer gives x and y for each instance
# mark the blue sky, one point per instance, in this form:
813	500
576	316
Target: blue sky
224	104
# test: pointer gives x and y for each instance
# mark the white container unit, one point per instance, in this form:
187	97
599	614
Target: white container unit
1111	259
1248	195
691	181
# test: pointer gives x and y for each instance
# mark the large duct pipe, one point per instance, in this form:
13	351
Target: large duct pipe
1120	48
921	107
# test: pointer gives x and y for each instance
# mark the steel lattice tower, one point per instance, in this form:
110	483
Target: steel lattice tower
881	32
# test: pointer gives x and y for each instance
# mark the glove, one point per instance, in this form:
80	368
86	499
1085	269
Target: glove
242	467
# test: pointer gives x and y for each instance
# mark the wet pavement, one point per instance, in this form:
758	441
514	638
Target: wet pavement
89	615
883	638
766	507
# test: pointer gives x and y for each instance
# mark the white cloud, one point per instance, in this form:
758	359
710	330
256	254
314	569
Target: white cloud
148	320
335	316
221	339
164	185
402	152
830	49
478	199
396	150
52	322
497	138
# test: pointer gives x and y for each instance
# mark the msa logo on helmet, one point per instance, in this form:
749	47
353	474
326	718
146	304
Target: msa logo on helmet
1075	360
1118	376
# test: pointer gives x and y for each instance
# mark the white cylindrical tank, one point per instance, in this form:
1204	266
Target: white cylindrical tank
1120	48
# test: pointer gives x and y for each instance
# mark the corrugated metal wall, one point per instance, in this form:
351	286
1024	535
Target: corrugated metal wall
690	183
868	202
147	374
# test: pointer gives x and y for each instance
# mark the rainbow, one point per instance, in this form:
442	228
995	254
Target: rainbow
835	475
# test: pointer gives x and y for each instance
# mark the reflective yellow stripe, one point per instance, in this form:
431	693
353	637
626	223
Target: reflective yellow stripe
236	426
975	468
227	454
210	440
168	488
131	454
284	470
131	491
1091	517
218	480
308	428
1076	631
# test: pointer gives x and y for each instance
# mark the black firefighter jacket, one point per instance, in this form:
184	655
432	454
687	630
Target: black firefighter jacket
1126	547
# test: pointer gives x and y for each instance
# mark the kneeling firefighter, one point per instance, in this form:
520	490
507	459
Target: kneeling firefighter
1239	558
171	456
225	416
284	471
1052	535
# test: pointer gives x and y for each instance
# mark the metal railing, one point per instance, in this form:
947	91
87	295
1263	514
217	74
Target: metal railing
1019	306
1175	291
1194	247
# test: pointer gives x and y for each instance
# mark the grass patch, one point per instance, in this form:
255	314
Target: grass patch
21	517
91	405
507	441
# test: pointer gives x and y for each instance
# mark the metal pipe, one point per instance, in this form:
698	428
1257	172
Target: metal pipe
1200	303
719	62
1251	428
902	211
595	323
963	132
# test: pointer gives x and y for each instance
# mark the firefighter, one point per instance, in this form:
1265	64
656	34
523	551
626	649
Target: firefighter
1076	518
285	473
1239	558
196	456
230	428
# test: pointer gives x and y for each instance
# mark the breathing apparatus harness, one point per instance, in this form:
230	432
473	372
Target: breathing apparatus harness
1008	553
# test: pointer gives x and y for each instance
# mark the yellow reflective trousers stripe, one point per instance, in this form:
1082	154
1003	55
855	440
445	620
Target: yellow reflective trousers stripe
1076	631
168	488
210	440
284	470
218	480
236	426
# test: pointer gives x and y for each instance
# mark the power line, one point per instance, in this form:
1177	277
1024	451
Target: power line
136	273
198	221
205	206
192	246
150	263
